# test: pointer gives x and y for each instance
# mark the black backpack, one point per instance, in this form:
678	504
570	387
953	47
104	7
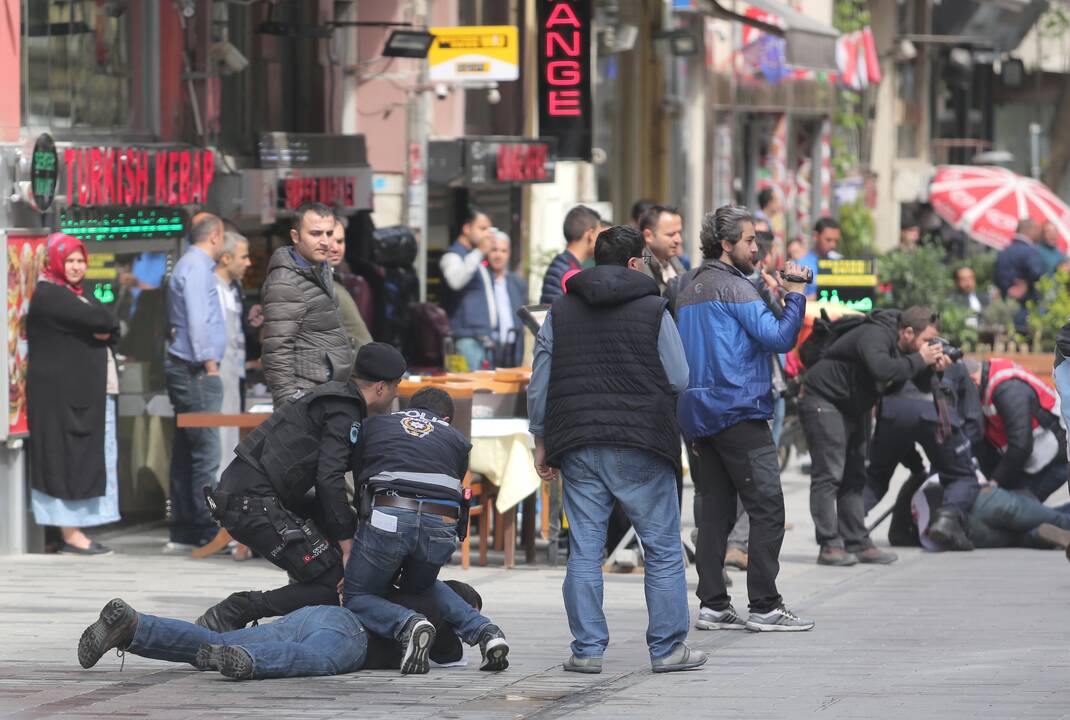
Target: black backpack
824	334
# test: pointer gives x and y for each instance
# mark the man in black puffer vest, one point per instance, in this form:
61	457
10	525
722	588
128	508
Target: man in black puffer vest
261	500
602	407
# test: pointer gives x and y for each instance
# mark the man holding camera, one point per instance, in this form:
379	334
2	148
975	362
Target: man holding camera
729	335
839	393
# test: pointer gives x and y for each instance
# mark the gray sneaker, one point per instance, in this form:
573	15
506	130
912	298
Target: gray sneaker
778	620
727	619
590	666
681	658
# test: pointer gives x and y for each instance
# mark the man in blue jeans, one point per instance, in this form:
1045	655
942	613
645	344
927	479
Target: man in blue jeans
198	341
409	466
314	640
602	407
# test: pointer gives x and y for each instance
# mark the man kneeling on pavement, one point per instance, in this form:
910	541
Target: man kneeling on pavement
409	467
314	640
961	510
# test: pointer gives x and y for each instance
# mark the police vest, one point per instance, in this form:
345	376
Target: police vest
413	452
286	446
1000	370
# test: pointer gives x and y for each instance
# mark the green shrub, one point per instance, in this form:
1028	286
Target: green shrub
1053	309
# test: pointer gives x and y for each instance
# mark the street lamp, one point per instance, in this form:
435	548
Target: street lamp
408	44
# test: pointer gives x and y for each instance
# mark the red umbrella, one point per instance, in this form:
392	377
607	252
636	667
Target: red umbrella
988	202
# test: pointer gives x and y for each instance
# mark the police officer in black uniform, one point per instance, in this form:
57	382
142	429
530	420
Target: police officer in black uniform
409	468
262	496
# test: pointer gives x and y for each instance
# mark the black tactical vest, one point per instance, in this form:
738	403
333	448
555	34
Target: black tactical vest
286	446
607	383
414	453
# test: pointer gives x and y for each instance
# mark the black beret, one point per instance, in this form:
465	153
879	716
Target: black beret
379	361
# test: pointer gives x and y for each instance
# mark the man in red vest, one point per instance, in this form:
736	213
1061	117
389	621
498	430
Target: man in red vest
1025	441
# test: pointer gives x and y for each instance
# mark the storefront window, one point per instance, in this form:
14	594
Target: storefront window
80	65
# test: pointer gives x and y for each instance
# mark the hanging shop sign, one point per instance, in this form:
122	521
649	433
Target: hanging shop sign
132	176
851	282
564	81
297	189
44	172
474	53
510	161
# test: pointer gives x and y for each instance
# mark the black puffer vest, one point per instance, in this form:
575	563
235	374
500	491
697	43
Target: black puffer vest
607	383
286	446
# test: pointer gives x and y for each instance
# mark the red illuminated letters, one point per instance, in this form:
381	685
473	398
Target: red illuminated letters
121	176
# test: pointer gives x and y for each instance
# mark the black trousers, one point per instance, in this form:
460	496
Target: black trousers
838	445
951	459
738	462
290	541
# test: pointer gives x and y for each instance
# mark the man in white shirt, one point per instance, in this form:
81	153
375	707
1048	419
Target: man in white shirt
510	293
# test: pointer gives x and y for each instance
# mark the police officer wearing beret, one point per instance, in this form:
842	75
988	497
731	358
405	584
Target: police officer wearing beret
409	467
261	500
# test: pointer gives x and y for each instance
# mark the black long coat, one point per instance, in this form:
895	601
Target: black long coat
66	382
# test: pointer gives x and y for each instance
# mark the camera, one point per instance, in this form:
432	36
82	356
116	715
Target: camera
807	275
953	353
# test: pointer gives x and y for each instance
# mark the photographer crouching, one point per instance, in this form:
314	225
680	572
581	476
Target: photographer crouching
839	391
948	424
729	336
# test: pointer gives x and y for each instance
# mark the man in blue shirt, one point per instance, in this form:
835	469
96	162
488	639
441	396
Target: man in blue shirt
601	405
198	341
826	239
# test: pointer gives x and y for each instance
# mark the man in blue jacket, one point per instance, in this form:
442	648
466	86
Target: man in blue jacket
1018	267
581	227
729	336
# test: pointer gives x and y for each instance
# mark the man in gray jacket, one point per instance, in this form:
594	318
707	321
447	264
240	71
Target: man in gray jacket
304	343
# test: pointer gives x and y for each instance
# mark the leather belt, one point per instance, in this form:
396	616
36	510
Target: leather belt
422	506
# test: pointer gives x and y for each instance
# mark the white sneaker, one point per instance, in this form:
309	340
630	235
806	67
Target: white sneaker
727	619
778	620
177	548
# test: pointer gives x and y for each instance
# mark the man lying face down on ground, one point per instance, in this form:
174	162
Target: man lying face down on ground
314	640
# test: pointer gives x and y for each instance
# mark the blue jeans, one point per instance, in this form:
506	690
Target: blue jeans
645	486
1001	518
318	640
418	547
473	351
195	453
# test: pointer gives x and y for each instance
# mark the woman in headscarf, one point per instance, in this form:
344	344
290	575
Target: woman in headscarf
70	378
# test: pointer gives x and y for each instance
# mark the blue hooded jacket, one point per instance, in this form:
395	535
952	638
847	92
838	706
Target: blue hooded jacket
729	336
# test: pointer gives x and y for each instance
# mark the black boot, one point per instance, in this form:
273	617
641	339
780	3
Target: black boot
234	613
114	628
947	532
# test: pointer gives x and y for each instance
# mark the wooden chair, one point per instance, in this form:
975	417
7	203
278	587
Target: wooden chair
483	507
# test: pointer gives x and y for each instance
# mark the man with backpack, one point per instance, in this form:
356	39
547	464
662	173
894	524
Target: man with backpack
851	364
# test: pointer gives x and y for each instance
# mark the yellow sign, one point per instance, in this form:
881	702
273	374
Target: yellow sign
474	52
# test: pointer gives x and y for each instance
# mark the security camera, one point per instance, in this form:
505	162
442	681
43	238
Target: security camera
227	57
187	7
442	91
494	96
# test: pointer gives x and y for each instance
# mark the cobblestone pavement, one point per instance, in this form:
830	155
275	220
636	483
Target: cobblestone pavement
970	635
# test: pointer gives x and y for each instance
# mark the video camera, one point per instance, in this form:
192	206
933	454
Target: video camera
807	276
953	353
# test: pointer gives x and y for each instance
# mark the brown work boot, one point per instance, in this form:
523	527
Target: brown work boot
876	556
735	558
1054	535
836	556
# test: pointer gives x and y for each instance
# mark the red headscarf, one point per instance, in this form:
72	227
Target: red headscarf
59	247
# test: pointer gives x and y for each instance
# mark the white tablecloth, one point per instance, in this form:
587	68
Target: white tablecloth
501	452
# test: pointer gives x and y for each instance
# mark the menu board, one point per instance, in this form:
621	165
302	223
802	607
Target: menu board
25	260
